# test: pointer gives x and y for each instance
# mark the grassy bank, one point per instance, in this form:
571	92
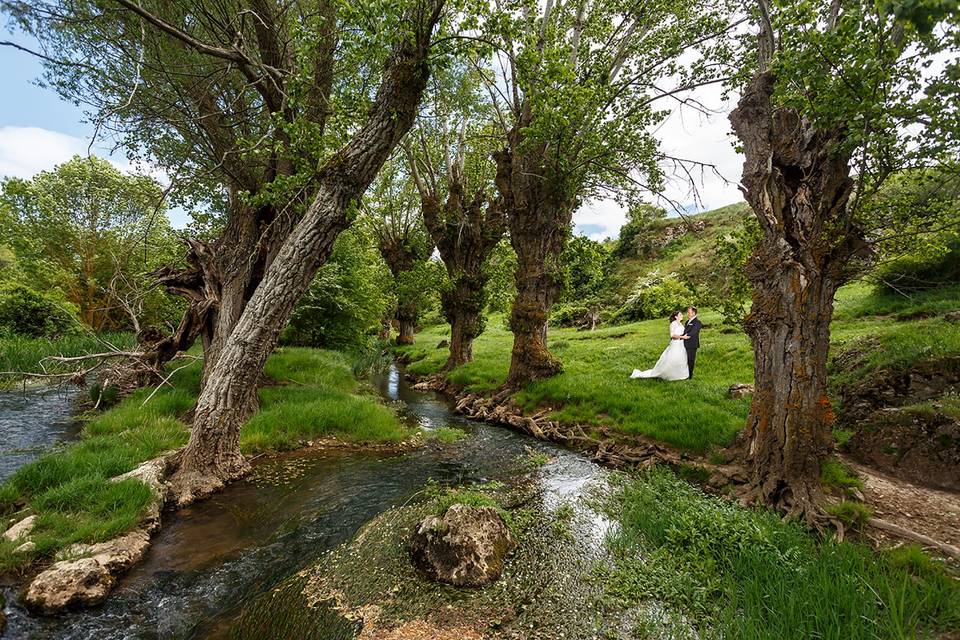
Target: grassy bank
19	353
739	573
315	394
695	415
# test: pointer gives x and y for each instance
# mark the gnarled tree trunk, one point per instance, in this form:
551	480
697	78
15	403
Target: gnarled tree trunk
465	232
406	324
539	217
796	179
212	455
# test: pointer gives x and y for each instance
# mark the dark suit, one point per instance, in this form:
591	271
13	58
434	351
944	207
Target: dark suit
693	330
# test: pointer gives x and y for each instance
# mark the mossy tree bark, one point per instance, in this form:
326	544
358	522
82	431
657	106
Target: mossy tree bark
798	185
539	213
465	230
212	455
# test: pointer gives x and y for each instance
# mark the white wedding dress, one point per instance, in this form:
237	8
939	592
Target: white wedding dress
672	364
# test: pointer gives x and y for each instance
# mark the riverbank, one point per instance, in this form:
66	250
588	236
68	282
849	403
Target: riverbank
870	333
21	355
313	396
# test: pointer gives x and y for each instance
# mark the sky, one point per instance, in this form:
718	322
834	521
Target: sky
38	130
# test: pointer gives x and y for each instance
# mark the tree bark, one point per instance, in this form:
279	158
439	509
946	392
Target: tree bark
212	455
797	180
539	216
406	324
465	231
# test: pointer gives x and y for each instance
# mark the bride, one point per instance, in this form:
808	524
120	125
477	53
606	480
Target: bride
672	364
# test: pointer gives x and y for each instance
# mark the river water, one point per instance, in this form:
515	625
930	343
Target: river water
32	421
209	559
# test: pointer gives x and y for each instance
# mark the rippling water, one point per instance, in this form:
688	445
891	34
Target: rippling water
32	421
209	559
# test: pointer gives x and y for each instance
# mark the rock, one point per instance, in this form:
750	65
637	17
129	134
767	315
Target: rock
87	580
739	390
20	529
466	547
26	547
952	316
443	344
152	473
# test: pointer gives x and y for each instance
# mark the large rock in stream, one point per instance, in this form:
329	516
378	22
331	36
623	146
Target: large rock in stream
466	547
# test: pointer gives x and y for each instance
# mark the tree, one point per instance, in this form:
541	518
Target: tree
254	88
454	176
637	230
94	233
840	98
394	214
576	104
347	299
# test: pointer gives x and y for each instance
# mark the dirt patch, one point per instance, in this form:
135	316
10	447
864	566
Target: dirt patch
920	445
931	512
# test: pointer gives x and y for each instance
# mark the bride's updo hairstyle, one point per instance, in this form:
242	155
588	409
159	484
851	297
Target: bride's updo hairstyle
674	315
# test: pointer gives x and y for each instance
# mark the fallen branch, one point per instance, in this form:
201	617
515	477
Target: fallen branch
903	532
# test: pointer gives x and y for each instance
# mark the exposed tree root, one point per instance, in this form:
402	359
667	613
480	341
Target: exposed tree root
189	487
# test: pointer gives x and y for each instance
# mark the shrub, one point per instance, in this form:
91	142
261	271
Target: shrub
655	296
26	312
922	270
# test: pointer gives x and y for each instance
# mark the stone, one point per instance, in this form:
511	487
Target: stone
86	574
26	547
739	390
466	547
443	344
20	529
952	316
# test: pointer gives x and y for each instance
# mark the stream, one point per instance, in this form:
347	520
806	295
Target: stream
209	559
31	421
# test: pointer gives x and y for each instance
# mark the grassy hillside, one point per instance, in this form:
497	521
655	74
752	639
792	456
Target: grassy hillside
690	252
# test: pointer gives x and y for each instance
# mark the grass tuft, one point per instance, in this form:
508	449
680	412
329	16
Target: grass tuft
835	474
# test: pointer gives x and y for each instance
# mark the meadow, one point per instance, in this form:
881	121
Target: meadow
694	415
313	393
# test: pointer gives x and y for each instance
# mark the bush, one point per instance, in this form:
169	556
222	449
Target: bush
654	296
926	269
26	312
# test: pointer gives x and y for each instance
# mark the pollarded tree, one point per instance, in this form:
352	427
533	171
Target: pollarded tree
576	87
451	167
842	96
393	213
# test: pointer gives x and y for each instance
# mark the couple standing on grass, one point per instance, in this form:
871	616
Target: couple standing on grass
677	360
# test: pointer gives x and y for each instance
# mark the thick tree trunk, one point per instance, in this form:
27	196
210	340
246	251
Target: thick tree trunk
539	219
797	182
407	324
463	330
212	455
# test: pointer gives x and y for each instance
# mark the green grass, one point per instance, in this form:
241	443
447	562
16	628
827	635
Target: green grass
745	574
22	354
446	435
69	489
695	415
834	474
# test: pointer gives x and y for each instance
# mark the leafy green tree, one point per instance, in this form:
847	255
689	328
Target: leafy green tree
837	97
576	106
501	287
272	104
348	298
586	265
453	172
632	242
94	233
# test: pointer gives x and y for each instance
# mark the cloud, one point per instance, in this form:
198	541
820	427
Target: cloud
692	136
25	151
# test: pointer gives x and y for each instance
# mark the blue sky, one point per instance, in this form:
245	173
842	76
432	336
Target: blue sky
38	130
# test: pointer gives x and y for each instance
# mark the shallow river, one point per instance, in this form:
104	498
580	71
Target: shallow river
31	421
209	559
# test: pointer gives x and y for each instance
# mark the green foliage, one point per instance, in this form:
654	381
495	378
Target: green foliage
737	573
501	287
834	474
92	233
851	513
348	298
730	288
586	265
446	435
656	296
20	354
70	491
28	313
636	235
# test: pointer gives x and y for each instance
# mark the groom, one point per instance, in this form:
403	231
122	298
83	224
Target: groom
691	338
